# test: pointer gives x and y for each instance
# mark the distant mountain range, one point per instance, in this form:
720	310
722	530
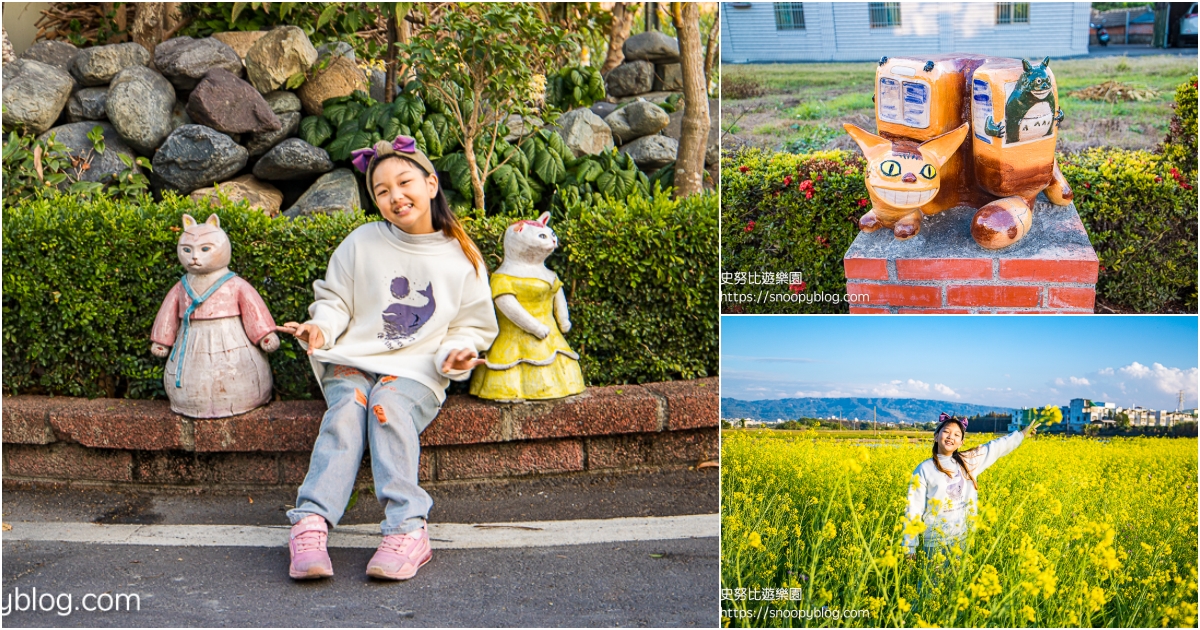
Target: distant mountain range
904	410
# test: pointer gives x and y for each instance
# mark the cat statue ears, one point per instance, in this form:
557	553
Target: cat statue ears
543	221
937	150
189	221
1025	63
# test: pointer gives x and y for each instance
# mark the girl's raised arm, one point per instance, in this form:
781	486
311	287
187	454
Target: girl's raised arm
984	456
330	311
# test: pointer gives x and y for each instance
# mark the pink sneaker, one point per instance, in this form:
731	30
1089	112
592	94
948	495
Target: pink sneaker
400	555
310	557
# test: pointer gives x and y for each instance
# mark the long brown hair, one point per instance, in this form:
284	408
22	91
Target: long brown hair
439	209
957	455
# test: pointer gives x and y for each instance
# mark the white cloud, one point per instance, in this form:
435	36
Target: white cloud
1079	381
945	391
1137	370
1165	379
1059	382
1106	372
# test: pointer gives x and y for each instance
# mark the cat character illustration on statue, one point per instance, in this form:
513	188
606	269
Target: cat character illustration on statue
530	359
213	327
939	145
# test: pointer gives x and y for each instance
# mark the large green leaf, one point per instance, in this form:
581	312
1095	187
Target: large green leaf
375	116
588	171
433	143
548	167
315	130
336	112
409	109
455	165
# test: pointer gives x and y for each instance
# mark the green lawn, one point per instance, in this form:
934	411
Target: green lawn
826	95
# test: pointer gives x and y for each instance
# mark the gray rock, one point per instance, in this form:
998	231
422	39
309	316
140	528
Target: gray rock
139	106
293	159
519	128
584	132
99	64
87	104
635	120
377	79
652	152
630	78
332	193
52	52
658	98
103	167
259	143
194	156
651	46
179	116
341	49
185	60
603	108
282	102
276	56
34	94
230	105
668	77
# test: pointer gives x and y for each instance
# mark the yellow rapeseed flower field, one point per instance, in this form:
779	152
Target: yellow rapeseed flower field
1070	531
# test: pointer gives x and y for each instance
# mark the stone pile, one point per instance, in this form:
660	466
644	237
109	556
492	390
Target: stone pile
210	113
632	117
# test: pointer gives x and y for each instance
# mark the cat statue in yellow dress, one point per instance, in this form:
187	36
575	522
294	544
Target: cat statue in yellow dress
530	359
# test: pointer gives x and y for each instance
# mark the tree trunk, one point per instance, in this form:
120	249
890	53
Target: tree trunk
476	179
149	20
622	24
389	59
119	21
689	162
713	52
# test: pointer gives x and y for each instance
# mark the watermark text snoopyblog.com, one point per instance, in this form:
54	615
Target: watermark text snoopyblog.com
64	604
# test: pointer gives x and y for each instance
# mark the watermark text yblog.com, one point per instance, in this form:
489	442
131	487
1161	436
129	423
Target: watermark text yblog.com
64	604
764	297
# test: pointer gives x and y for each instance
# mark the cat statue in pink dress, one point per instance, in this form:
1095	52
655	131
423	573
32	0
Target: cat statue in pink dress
213	327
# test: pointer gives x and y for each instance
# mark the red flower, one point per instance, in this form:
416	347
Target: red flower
824	242
806	185
1087	184
750	226
808	194
1157	179
1103	268
862	203
798	288
819	178
787	181
744	168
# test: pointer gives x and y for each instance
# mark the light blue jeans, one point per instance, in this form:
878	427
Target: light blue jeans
386	412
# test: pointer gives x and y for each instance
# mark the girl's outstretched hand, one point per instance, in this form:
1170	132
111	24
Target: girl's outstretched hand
307	333
461	361
1031	429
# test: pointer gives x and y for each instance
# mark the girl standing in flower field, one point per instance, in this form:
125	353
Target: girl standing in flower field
404	308
943	490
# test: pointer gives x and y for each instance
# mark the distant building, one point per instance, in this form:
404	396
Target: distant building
764	32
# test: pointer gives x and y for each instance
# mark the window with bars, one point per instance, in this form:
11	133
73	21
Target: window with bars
884	14
1012	13
789	16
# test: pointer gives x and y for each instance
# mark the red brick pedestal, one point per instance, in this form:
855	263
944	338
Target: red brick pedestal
942	270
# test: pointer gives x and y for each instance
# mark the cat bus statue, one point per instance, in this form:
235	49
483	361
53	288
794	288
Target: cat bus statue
962	130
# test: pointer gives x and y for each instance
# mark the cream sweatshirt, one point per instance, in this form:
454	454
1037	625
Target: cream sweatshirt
398	304
944	502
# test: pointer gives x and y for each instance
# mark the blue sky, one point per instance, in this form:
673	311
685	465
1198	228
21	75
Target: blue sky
1011	361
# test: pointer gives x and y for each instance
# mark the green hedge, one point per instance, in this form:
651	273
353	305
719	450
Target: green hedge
769	224
83	281
1139	211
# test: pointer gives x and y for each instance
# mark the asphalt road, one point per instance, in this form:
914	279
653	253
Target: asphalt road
660	583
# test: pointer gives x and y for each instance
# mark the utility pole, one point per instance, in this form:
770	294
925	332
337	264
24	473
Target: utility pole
875	419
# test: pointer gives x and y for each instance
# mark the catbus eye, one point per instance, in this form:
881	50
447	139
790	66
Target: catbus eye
928	172
890	168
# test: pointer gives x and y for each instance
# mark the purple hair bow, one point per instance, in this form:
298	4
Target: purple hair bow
942	418
362	157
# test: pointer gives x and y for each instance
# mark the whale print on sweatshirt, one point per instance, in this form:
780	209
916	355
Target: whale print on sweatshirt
401	321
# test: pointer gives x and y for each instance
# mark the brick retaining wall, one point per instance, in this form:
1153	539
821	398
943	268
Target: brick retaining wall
942	270
141	442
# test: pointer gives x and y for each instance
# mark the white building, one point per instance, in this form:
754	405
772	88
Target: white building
765	32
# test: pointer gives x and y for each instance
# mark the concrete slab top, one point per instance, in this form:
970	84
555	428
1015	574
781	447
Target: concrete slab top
1057	234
